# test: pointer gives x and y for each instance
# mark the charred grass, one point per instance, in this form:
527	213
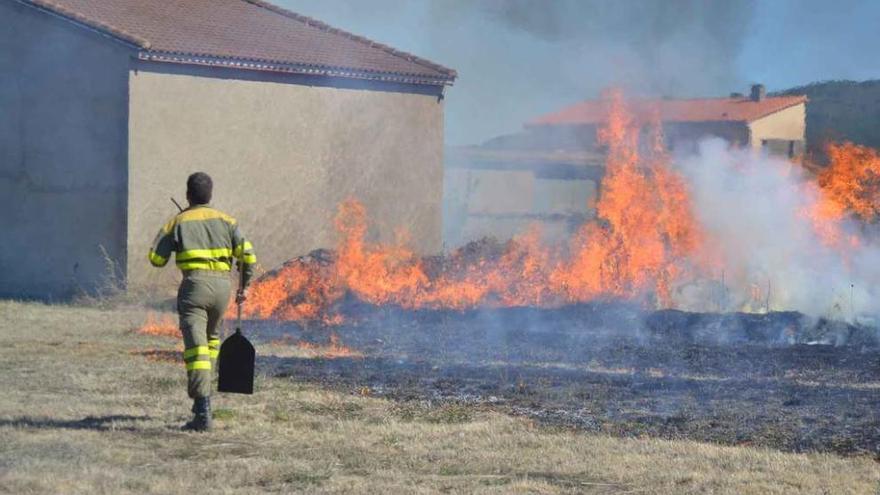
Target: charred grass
85	407
775	380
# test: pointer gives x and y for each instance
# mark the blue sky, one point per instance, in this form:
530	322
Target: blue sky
520	58
794	42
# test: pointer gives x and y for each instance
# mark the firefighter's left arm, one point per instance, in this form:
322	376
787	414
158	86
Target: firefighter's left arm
243	251
163	245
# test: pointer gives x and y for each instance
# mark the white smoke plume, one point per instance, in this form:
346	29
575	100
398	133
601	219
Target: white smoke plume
755	210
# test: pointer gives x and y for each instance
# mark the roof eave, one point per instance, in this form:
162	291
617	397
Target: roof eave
292	68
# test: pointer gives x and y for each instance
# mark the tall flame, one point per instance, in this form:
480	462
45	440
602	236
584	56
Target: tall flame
646	230
644	239
851	181
645	243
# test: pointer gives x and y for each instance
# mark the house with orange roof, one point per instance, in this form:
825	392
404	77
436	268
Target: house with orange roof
108	105
774	123
550	173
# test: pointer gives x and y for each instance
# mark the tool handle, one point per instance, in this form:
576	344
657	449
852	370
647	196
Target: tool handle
177	204
238	318
238	303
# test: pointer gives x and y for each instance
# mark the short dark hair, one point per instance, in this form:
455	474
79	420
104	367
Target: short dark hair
199	187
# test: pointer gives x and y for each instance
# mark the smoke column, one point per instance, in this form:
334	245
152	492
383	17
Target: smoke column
521	58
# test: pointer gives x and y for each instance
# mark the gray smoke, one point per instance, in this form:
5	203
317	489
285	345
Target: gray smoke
672	48
518	59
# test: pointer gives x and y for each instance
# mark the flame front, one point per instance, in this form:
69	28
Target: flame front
159	326
640	244
332	350
644	244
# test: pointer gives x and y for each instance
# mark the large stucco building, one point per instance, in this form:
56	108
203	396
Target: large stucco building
549	174
107	105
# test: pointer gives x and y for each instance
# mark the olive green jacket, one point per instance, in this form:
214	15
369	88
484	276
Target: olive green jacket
203	239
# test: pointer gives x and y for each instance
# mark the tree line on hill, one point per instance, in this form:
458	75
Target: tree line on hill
840	111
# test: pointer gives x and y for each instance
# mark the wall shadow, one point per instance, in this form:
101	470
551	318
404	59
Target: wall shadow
98	423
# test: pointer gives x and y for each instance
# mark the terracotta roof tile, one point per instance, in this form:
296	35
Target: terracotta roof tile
251	34
697	110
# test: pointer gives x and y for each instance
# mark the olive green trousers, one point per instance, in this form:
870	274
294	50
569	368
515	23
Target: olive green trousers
201	302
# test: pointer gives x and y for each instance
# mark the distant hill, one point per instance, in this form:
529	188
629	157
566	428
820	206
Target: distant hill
841	110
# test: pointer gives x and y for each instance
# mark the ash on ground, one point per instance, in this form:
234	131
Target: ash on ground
780	380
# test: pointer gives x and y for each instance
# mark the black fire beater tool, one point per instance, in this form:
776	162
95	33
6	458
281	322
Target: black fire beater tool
236	361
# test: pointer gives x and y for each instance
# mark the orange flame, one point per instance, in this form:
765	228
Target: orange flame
163	326
848	185
375	273
649	230
297	291
334	349
851	181
643	243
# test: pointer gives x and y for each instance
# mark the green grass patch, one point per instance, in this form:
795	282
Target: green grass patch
223	414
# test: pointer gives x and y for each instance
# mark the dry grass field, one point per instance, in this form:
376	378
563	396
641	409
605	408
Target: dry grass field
89	406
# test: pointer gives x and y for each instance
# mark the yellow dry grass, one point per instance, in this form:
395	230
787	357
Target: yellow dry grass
80	413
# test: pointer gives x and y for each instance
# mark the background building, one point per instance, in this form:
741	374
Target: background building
108	105
777	123
549	173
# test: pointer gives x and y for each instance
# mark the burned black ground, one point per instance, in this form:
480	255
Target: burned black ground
780	380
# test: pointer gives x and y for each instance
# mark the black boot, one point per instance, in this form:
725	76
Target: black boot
201	415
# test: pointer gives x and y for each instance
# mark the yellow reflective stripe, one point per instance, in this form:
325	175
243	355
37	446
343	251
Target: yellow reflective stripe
204	253
157	260
203	213
220	266
169	226
214	353
199	350
246	246
249	258
213	342
198	365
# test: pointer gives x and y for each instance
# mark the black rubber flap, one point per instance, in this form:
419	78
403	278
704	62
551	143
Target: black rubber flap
236	362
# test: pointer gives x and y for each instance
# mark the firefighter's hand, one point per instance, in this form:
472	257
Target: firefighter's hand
241	296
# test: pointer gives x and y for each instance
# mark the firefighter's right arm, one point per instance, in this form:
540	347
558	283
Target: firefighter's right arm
163	245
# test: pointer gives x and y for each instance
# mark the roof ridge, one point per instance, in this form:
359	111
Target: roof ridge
799	99
734	109
660	98
80	18
404	67
310	21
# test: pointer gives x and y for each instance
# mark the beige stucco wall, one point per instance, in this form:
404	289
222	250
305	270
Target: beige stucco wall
499	191
63	116
505	203
788	124
282	156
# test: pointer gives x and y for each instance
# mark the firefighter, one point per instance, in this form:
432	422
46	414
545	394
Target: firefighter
206	241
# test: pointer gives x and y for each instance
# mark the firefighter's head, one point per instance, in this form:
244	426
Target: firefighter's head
198	188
